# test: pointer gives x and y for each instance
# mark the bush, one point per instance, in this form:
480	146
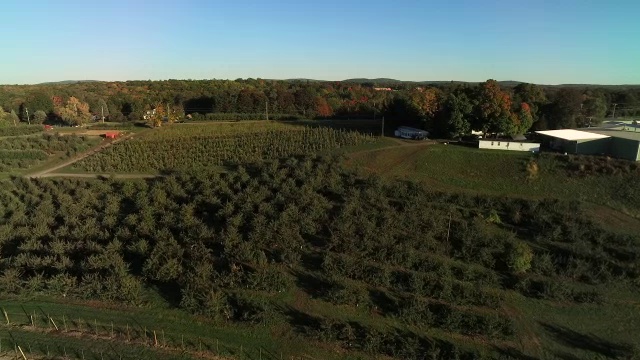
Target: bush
519	256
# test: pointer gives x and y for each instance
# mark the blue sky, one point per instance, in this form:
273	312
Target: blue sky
539	41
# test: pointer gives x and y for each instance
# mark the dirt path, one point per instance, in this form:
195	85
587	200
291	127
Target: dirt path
105	144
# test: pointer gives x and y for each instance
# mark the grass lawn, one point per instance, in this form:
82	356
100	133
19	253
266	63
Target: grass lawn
94	328
459	168
579	331
380	143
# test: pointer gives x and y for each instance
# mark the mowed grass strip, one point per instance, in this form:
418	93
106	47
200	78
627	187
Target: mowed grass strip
96	327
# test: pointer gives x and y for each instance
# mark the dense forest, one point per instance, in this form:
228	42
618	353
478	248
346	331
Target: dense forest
446	109
431	269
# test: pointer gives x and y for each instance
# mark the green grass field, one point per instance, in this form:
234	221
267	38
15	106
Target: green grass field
105	330
459	168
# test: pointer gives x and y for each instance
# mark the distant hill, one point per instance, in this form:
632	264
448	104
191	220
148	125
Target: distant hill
391	82
64	82
507	83
377	81
303	80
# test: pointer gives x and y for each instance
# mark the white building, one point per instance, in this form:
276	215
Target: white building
502	144
411	133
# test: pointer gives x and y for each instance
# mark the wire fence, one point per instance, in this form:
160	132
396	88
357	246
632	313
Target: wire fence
37	335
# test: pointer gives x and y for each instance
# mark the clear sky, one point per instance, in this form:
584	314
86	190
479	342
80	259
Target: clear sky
539	41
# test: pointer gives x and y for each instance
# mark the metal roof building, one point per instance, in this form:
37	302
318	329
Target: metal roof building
621	144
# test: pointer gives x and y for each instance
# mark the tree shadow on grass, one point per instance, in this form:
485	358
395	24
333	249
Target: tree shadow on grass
511	353
588	342
315	286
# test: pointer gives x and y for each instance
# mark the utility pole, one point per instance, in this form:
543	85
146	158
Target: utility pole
374	111
266	109
27	111
614	111
102	110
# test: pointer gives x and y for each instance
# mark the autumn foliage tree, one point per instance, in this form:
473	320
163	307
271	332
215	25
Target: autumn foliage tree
162	113
74	112
426	101
494	109
322	108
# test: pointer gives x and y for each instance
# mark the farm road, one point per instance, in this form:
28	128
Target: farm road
102	146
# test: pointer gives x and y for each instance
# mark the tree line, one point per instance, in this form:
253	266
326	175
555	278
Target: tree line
448	110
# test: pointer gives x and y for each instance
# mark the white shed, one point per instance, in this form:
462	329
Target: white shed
411	133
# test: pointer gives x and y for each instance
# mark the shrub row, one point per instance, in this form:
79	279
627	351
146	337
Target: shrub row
422	313
390	342
241	117
432	285
555	290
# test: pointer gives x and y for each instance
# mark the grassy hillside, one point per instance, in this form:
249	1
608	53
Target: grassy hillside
278	254
595	180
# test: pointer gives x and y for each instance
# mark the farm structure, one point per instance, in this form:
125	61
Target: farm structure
507	144
411	133
594	141
111	134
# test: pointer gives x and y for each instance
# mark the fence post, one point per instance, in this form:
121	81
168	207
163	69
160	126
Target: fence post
22	353
54	323
6	316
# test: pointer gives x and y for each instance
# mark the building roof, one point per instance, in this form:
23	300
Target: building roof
625	134
570	134
407	128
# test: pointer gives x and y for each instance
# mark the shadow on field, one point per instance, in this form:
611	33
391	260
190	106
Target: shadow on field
511	353
312	285
586	342
302	322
